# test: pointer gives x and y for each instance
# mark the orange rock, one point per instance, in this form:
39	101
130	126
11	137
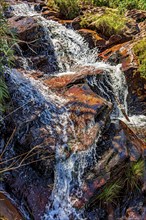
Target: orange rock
92	38
59	82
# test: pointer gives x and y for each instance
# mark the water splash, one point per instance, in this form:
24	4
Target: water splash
68	44
112	86
70	51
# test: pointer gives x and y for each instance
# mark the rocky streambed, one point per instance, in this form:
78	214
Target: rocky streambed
74	132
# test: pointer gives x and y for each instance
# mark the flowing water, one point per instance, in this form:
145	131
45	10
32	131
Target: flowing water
70	51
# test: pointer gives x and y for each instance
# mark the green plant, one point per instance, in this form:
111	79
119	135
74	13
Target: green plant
110	192
6	53
67	8
4	94
134	174
109	23
140	52
121	4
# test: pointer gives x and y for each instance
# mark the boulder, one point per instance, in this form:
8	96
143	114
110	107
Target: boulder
63	80
124	54
92	38
122	145
32	44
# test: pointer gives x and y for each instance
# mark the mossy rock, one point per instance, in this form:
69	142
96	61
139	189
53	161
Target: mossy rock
140	52
109	23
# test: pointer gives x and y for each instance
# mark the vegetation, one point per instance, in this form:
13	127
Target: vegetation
6	53
71	8
109	23
67	8
140	52
130	178
134	174
110	192
121	4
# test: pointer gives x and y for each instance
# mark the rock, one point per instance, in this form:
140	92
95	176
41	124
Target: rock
85	106
31	190
92	38
7	209
122	144
50	13
32	44
62	81
40	129
124	53
137	15
26	28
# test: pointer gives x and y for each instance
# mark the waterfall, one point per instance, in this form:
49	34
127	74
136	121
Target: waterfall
71	51
67	44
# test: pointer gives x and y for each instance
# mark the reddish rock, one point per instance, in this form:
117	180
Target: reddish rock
62	81
124	54
75	23
92	38
8	210
125	145
26	28
50	13
84	107
121	53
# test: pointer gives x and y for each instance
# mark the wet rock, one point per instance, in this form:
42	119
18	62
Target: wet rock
64	80
75	23
26	28
40	127
124	53
30	190
122	145
32	45
7	209
85	107
92	38
49	13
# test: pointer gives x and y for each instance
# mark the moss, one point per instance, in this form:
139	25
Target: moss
109	23
140	52
68	8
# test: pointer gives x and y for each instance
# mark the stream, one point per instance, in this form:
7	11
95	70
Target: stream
67	53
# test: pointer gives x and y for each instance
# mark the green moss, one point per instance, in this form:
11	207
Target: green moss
140	52
68	8
111	22
121	4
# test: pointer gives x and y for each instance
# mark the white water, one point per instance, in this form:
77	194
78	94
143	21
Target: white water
71	51
68	45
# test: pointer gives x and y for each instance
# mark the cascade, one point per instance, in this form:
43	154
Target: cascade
70	52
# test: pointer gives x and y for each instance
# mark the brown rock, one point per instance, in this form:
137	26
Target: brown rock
137	15
125	145
26	28
8	210
60	82
92	38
